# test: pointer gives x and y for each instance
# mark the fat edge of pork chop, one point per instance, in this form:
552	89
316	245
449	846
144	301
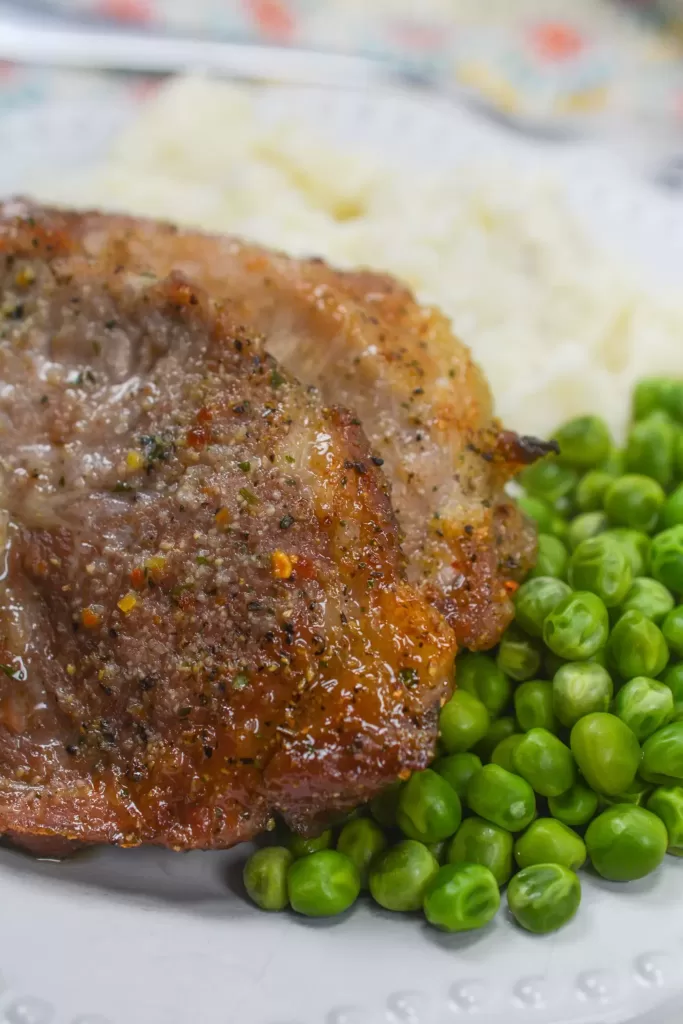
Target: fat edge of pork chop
363	340
203	613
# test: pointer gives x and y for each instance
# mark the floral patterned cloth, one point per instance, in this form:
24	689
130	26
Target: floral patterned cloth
547	62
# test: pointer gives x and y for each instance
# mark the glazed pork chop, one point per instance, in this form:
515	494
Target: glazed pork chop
362	339
204	616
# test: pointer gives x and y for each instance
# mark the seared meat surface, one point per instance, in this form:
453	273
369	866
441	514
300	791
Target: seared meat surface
204	616
363	340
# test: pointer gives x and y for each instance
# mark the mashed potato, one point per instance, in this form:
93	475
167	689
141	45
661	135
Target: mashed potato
559	327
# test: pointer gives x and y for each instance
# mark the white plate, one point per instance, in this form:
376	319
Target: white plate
151	937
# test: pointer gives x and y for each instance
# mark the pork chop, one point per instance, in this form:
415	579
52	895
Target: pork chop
204	616
365	342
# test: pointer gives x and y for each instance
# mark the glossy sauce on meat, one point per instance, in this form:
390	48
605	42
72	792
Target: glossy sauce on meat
204	615
364	341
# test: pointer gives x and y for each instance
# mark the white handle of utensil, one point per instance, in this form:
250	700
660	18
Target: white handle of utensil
83	46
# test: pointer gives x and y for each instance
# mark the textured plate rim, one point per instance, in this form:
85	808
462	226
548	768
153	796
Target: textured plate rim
639	980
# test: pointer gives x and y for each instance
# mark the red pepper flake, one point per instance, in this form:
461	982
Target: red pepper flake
198	437
182	294
90	618
204	415
223	517
511	586
305	568
137	579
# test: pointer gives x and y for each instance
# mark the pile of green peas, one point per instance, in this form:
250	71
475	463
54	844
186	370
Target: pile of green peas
562	746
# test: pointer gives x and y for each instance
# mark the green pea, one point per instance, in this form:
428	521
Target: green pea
636	546
615	463
534	601
650	598
650	449
500	730
383	807
361	840
666	558
575	807
674	405
580	688
672	628
323	884
302	847
637	647
463	722
644	705
504	752
577	627
672	513
428	807
626	842
461	897
501	797
551	557
479	675
565	508
590	493
539	511
399	877
600	566
606	751
679	455
584	441
675	402
265	877
534	706
518	657
637	793
673	678
547	841
635	501
481	842
667	803
545	762
663	755
458	769
549	479
650	395
586	526
544	897
558	526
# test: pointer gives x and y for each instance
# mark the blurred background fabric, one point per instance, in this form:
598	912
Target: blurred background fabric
544	63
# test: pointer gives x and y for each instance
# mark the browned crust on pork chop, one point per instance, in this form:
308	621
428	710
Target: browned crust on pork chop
365	342
204	617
